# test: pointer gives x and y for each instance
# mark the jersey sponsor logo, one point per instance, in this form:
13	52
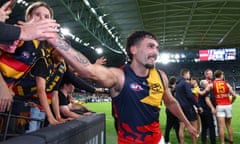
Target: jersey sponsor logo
136	87
156	88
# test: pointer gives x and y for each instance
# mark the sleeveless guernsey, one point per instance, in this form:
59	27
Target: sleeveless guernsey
221	91
137	108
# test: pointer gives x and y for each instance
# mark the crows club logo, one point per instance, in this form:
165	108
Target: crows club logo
136	87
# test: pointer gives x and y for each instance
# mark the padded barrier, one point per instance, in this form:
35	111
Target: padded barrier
86	130
25	139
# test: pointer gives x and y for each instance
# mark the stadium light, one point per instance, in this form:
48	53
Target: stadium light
99	50
65	31
163	58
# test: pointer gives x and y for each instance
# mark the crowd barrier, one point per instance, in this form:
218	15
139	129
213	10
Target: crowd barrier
86	130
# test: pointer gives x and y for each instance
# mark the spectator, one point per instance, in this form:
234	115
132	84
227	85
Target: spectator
42	29
34	82
41	84
33	88
61	71
68	108
28	31
24	31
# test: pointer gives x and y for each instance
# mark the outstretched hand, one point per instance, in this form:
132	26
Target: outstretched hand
41	30
5	12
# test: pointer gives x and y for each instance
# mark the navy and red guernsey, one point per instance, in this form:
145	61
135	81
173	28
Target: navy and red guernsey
137	108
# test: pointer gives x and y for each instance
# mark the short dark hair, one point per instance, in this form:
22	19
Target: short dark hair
135	38
218	73
66	81
172	80
184	71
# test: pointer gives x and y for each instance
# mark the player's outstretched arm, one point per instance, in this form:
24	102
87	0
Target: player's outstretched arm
107	77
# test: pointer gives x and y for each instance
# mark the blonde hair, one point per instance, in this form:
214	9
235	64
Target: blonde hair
35	5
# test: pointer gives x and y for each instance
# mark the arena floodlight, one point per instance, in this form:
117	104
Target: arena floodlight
86	3
99	50
65	31
163	58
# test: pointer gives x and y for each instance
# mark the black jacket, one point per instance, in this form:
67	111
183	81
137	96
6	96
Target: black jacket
9	33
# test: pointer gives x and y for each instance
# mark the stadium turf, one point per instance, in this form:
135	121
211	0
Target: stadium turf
111	133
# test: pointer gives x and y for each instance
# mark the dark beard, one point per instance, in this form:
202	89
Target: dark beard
149	66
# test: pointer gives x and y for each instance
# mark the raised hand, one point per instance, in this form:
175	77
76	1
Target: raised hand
6	96
5	12
41	30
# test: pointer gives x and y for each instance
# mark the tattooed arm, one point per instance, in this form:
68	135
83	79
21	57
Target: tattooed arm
107	77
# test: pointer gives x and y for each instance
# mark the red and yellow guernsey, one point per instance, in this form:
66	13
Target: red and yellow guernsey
221	92
137	108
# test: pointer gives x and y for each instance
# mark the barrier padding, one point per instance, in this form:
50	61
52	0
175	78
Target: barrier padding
89	130
25	139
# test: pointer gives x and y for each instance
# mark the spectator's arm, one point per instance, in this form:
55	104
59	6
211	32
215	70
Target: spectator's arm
68	113
9	33
6	97
41	86
55	106
78	82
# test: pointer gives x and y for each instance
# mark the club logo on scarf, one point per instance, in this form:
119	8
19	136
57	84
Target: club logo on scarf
25	55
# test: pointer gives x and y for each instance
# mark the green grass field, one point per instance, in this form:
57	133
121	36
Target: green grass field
111	136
